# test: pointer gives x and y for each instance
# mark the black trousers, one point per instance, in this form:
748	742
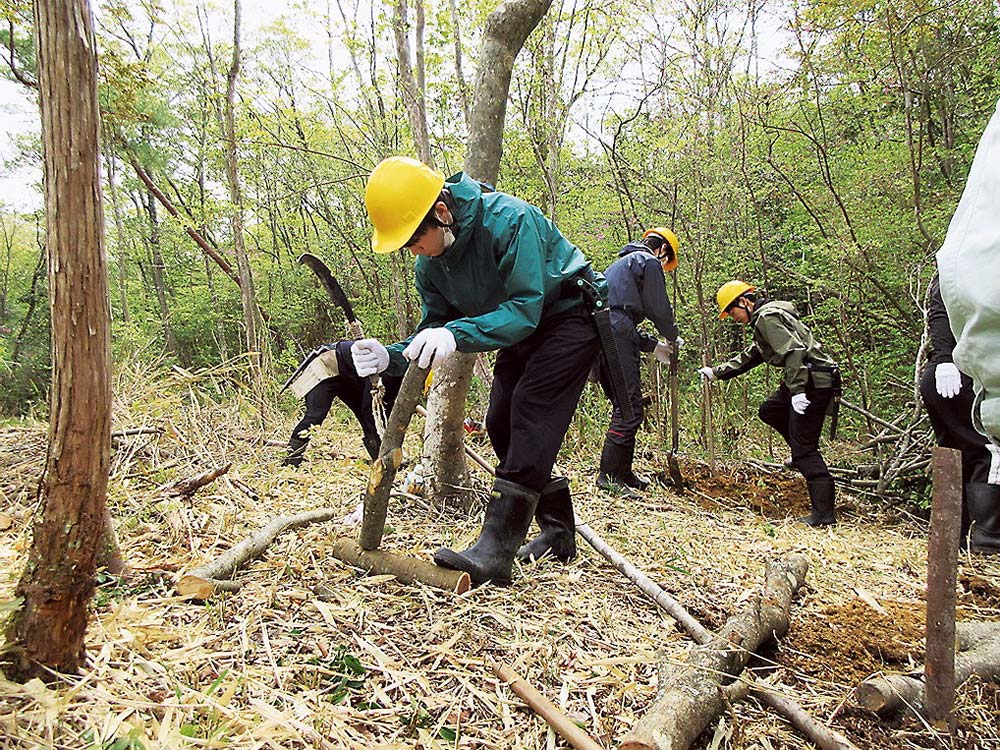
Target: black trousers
536	386
800	431
951	419
622	431
355	392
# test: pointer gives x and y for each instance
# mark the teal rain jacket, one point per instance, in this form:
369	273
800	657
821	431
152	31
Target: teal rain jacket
501	277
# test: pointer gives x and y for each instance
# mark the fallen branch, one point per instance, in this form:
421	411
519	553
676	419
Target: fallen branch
545	708
406	569
691	695
390	456
119	434
666	602
202	582
892	693
190	485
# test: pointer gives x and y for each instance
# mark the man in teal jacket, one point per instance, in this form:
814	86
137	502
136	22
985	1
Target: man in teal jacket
492	274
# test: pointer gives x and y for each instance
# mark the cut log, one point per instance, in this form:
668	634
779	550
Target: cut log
545	708
822	735
202	582
406	569
691	694
190	485
896	692
390	456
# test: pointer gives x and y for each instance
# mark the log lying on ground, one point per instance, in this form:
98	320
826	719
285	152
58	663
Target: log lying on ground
980	657
692	695
190	485
202	582
406	569
390	456
822	735
545	708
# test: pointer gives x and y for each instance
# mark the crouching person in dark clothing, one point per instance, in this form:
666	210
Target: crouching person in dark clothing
949	397
344	384
811	380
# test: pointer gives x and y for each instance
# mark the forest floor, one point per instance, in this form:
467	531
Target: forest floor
372	663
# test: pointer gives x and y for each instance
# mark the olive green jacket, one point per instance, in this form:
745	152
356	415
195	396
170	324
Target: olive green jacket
782	340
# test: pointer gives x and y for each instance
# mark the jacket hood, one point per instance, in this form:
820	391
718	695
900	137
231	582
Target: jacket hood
635	246
468	195
764	305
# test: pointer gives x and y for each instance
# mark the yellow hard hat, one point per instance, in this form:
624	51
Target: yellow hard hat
728	294
671	239
399	193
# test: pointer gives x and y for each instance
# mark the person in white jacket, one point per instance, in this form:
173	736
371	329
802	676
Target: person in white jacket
969	271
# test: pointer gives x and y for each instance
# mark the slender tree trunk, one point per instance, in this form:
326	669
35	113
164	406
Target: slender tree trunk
248	297
507	28
463	89
411	81
58	581
159	281
120	243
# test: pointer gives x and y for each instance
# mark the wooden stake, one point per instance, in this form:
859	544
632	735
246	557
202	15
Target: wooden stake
942	562
390	456
545	708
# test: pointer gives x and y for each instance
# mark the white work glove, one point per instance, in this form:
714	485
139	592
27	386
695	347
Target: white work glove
707	373
947	379
800	402
431	347
369	356
679	343
663	351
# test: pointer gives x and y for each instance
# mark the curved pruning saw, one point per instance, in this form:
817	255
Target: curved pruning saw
354	330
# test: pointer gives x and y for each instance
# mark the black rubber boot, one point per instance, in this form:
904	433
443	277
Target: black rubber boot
610	476
554	515
821	495
491	558
984	510
296	449
629	477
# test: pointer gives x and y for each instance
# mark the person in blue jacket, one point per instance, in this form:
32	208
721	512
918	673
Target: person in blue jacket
493	273
636	292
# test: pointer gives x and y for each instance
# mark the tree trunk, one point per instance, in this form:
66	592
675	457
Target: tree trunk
412	85
58	581
159	283
506	30
248	296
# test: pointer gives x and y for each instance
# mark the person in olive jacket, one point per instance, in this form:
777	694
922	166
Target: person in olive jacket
636	292
811	379
492	274
949	396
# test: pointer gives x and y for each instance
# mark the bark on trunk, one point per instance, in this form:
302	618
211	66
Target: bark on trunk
691	694
446	471
506	30
58	581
